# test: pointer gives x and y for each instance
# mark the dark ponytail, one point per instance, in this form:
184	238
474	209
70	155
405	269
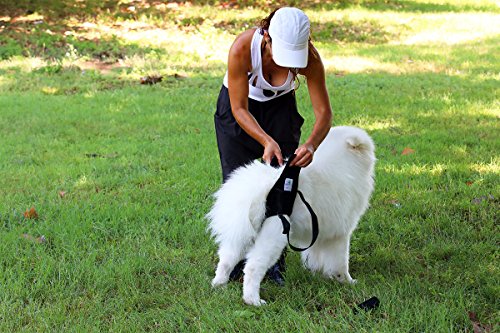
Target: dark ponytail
264	23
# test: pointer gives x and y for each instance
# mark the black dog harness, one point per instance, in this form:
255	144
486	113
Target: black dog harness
281	198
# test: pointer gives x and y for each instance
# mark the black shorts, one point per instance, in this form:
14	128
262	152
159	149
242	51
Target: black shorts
278	117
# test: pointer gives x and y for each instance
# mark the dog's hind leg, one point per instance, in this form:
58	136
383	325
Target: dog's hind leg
266	250
337	264
229	256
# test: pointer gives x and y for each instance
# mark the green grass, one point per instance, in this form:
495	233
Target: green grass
126	247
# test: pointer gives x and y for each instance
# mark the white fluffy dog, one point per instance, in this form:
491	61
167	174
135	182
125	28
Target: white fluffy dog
337	185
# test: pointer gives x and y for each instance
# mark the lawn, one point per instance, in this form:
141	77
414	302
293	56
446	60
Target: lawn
105	181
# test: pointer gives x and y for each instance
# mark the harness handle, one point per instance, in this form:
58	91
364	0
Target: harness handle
281	198
314	223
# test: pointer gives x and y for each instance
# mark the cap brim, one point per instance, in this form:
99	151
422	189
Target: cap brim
289	58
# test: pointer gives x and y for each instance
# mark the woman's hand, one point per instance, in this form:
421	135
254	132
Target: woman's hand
303	155
272	149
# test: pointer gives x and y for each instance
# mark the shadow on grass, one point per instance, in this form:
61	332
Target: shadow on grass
365	31
56	41
53	42
457	57
53	39
344	30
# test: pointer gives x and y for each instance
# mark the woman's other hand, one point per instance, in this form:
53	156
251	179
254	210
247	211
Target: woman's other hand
271	150
303	155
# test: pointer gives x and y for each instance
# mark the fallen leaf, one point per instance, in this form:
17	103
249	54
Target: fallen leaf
179	76
407	151
38	240
477	326
469	183
31	213
151	79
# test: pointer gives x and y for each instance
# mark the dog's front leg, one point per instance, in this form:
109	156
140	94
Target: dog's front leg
266	250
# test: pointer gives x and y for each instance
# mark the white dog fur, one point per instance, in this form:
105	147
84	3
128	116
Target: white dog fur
337	185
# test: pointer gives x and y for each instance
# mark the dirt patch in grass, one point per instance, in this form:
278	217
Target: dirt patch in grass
103	67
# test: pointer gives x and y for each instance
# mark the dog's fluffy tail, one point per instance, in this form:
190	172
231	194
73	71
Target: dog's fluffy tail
345	148
359	142
360	147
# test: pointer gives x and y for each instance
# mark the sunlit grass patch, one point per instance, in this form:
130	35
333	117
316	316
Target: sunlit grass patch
423	43
492	167
452	28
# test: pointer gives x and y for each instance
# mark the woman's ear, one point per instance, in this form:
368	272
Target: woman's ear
267	38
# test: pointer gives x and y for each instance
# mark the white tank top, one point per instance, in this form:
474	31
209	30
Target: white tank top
259	89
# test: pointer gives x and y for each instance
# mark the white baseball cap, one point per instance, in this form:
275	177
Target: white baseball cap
289	30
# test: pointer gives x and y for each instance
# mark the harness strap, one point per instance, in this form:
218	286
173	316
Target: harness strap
314	223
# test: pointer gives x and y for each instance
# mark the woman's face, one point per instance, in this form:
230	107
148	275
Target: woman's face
269	49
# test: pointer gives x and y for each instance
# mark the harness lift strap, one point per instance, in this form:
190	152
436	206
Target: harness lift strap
281	198
314	223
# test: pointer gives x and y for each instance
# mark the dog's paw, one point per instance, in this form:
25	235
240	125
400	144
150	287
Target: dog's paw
351	281
255	301
344	278
218	282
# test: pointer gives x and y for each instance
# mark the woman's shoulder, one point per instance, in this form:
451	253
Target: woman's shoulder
243	41
248	33
240	52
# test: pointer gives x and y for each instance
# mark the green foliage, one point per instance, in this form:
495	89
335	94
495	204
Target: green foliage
56	9
344	30
41	41
9	48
